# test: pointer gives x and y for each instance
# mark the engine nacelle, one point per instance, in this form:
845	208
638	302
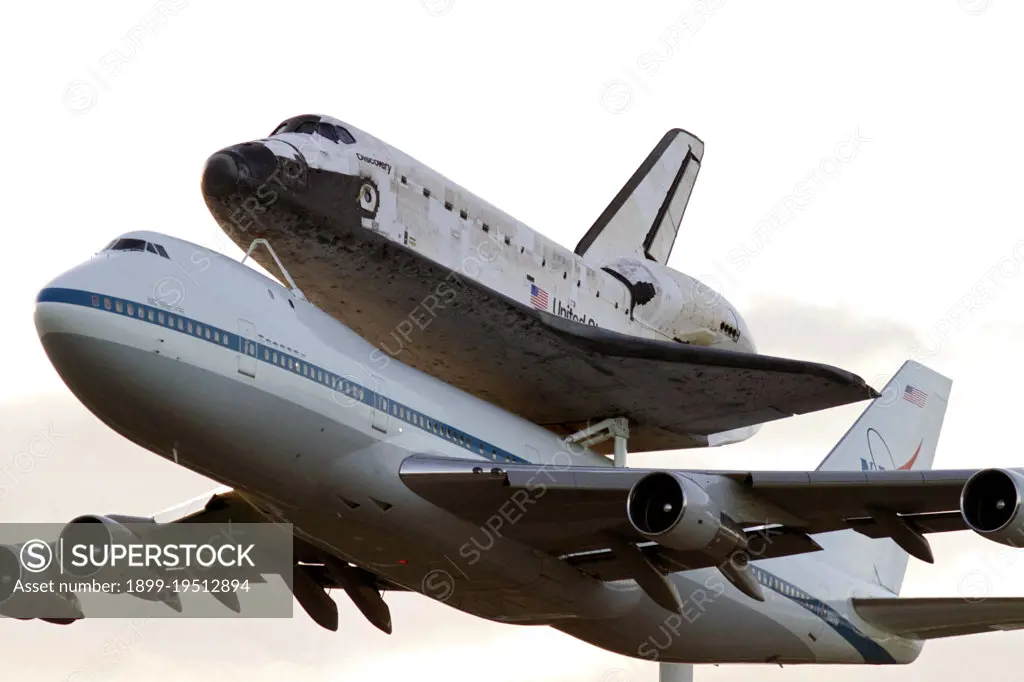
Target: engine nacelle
92	531
104	533
991	505
18	600
676	512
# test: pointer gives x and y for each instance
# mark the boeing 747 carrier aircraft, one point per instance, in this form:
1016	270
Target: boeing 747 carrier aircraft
404	480
438	278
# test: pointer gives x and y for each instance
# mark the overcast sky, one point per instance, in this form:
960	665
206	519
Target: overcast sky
902	119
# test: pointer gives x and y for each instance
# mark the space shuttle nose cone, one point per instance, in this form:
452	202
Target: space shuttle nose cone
220	177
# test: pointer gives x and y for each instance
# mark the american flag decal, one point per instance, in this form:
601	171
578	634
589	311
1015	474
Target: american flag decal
915	395
538	297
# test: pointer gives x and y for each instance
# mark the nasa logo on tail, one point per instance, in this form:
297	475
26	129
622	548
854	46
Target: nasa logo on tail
880	456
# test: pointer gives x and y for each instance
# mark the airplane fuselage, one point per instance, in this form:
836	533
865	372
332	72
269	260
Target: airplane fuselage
239	380
390	248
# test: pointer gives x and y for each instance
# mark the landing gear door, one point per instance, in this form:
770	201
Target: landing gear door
247	348
381	406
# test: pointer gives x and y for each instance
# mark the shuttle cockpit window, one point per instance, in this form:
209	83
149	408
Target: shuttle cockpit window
344	135
312	124
328	131
292	125
128	244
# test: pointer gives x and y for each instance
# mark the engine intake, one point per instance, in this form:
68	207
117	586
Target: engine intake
991	505
676	512
94	532
95	538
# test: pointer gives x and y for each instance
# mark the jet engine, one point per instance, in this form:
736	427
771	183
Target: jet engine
106	532
19	600
991	505
94	531
676	512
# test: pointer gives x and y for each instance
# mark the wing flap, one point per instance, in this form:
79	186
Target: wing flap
832	500
933	618
605	565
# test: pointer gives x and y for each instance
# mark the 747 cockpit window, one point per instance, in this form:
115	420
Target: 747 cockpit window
128	244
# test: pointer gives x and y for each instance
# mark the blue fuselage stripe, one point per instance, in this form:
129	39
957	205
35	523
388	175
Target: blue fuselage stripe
347	390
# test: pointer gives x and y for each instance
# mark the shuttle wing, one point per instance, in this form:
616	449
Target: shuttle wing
676	395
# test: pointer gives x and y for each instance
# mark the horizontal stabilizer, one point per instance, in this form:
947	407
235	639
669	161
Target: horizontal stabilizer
932	618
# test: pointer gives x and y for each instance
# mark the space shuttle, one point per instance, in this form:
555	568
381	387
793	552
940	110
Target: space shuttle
438	278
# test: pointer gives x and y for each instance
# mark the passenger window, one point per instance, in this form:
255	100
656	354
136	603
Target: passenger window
149	315
216	337
131	309
118	306
106	303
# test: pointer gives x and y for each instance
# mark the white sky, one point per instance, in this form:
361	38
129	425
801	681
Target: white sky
544	110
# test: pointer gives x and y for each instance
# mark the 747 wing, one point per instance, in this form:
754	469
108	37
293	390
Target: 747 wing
617	523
